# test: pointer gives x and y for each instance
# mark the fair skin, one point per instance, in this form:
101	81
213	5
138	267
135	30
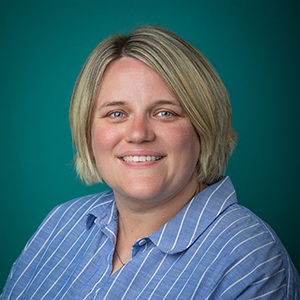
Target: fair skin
146	150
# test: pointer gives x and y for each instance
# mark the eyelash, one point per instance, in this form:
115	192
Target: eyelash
163	114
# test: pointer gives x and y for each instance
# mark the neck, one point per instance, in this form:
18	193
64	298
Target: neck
137	221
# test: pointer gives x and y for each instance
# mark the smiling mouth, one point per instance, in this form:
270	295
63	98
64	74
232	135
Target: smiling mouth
141	158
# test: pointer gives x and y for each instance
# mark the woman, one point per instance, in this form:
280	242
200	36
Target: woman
151	117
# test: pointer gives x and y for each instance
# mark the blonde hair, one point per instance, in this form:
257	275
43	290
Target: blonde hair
189	75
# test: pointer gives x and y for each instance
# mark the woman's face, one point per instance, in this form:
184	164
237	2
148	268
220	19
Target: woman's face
145	146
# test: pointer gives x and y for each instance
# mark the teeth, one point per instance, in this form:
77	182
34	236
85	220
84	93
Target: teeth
141	158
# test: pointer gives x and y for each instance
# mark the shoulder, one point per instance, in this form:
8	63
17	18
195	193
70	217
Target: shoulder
71	215
251	234
88	201
250	240
57	234
80	206
254	259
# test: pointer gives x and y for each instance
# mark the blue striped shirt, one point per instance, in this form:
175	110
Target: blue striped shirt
212	249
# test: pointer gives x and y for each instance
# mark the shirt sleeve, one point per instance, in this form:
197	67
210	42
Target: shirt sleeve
261	269
23	268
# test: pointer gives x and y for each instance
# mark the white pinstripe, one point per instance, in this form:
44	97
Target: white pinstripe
159	266
162	233
250	253
108	264
248	239
219	253
194	254
29	243
107	194
111	212
183	278
174	263
28	265
61	261
182	221
111	233
137	273
118	274
74	269
83	215
266	278
39	230
271	292
87	250
261	264
221	208
85	267
104	274
202	211
96	251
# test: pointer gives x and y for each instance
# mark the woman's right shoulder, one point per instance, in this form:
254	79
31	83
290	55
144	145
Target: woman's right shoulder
74	212
81	205
86	201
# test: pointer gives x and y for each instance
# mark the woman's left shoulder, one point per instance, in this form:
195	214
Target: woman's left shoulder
256	258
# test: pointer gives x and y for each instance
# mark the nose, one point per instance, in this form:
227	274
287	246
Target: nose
139	130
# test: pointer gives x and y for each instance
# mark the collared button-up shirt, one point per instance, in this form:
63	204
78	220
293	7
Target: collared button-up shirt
212	249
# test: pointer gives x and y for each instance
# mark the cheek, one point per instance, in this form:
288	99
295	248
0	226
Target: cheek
186	141
100	141
104	140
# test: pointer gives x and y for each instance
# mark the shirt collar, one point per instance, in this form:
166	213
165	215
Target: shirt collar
103	212
188	224
184	228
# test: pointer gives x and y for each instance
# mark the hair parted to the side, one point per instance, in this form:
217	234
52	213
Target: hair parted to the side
189	75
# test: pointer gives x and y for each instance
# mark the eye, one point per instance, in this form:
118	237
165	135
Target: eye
165	114
116	114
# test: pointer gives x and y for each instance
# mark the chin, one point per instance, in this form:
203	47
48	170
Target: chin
145	193
142	192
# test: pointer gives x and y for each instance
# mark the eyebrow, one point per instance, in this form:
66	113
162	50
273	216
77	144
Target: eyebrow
158	102
169	102
112	103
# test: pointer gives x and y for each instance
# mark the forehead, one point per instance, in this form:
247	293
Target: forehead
125	67
128	78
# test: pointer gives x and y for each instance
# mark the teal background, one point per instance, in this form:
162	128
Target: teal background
254	45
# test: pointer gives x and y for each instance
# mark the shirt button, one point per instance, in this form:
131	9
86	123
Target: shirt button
142	242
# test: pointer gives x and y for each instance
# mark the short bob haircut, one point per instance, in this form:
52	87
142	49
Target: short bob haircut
189	75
